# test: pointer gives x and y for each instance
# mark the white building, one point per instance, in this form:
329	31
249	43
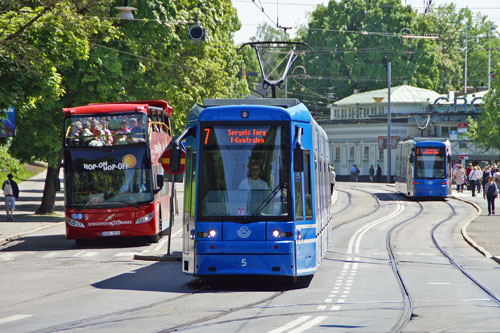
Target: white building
357	128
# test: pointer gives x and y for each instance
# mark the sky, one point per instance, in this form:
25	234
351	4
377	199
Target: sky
293	13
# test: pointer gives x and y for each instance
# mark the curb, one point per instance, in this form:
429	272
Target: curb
12	238
466	236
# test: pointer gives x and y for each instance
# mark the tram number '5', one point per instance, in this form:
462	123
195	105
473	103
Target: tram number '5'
243	262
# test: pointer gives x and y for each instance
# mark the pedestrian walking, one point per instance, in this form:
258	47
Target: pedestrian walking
11	193
354	173
474	178
486	174
379	173
332	179
490	194
372	173
460	179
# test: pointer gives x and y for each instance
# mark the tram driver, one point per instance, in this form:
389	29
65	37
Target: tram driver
253	181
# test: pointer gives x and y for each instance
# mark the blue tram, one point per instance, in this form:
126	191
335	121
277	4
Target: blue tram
423	167
257	197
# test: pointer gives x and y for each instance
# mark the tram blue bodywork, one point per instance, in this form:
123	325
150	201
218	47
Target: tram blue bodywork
280	227
423	167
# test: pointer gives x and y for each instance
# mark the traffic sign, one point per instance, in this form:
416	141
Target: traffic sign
173	160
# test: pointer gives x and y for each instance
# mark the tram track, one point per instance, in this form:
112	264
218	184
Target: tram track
454	262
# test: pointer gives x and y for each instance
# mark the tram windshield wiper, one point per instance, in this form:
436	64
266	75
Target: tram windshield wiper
264	203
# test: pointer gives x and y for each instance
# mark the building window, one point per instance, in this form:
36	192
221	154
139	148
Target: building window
380	154
366	155
351	153
445	131
337	154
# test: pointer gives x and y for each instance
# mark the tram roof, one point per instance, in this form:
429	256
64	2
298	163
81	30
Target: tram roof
118	107
286	109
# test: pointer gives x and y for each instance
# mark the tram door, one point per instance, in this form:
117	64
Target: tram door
188	255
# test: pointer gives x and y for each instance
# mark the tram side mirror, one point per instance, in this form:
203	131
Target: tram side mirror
159	183
411	158
298	159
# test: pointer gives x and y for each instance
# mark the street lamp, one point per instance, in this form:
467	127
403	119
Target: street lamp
125	11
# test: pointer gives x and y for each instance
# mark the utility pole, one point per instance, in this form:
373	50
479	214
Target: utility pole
389	138
465	71
489	58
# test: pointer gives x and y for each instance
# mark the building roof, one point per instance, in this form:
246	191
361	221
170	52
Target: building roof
400	94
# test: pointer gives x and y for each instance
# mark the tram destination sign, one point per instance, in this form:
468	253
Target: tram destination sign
239	136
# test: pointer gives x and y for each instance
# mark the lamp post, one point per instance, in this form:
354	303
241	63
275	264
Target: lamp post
389	138
125	11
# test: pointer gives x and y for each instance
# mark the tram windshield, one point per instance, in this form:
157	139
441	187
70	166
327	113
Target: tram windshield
430	162
108	179
244	173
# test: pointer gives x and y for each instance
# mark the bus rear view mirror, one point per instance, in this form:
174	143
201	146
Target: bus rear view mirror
298	159
159	182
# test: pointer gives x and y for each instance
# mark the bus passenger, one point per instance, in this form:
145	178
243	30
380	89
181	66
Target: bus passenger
139	132
123	129
253	181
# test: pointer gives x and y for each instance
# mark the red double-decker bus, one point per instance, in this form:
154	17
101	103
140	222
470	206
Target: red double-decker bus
113	179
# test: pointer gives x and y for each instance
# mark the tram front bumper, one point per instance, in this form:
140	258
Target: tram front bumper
245	258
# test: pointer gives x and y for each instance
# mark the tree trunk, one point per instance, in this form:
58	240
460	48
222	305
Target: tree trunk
49	192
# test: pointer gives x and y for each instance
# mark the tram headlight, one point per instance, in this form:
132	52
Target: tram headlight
74	223
210	234
278	233
145	219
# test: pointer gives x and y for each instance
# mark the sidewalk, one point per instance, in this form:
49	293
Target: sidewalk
25	220
482	233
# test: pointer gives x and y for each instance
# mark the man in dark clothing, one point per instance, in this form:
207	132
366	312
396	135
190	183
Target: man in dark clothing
379	173
11	192
372	173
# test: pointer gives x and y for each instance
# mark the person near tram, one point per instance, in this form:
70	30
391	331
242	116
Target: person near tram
460	178
474	179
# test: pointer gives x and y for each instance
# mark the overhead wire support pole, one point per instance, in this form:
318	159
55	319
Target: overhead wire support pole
389	138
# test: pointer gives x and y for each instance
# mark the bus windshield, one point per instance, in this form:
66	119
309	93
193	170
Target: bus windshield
243	173
107	179
430	162
106	130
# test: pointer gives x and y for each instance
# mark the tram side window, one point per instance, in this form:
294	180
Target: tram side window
299	211
307	185
190	185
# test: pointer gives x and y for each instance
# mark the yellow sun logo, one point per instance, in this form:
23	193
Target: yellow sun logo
129	160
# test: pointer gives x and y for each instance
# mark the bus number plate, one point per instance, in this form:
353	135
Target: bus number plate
110	233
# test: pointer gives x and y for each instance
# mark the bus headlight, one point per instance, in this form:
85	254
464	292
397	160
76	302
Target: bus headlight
145	219
276	233
74	223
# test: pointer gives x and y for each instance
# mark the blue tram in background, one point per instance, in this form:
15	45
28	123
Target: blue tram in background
257	197
423	167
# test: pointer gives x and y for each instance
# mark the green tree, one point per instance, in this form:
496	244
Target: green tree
485	130
98	59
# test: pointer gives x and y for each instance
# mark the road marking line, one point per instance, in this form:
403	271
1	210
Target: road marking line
328	300
50	255
79	254
125	254
321	307
341	301
439	283
309	324
296	322
335	308
13	318
90	254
